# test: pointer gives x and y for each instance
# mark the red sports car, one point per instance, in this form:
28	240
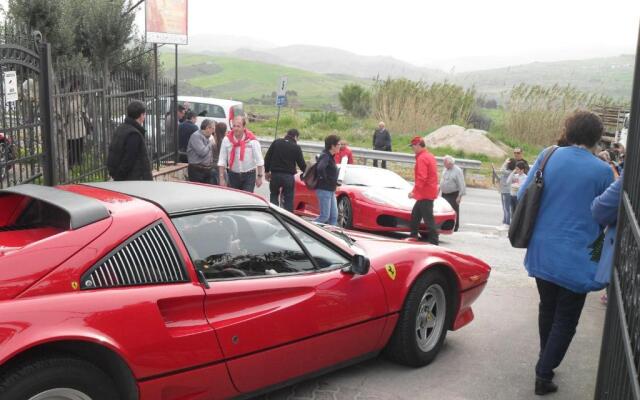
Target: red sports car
373	199
160	290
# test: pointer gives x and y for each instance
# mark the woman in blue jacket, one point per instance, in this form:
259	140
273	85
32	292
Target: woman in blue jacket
558	255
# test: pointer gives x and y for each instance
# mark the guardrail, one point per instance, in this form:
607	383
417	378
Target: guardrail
368	154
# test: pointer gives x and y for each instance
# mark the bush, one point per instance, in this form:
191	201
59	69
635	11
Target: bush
327	120
479	121
355	100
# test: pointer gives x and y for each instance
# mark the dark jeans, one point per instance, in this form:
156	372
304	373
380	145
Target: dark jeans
242	180
285	182
514	203
199	174
214	176
451	199
559	313
423	210
75	148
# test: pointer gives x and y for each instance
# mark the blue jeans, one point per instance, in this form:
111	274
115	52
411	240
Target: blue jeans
506	208
328	207
242	180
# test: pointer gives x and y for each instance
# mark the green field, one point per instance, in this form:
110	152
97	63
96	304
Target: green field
225	77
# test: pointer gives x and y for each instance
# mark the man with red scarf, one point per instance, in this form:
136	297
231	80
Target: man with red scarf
241	156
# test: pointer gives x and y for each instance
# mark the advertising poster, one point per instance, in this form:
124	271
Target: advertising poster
166	21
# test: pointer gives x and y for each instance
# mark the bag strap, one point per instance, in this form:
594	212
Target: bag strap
547	156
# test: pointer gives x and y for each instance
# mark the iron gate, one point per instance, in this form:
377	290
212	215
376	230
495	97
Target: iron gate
59	128
620	354
21	141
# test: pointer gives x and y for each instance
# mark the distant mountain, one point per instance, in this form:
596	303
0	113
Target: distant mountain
327	60
611	76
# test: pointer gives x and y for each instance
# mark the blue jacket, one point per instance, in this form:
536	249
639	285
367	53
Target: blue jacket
558	250
605	211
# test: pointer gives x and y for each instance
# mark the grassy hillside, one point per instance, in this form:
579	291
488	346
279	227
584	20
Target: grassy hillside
227	77
611	76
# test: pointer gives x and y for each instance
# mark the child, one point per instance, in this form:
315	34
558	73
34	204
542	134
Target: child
516	179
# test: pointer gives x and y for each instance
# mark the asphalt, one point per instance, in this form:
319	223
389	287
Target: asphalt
491	358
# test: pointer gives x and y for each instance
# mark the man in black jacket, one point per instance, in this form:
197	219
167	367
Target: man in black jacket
381	141
185	130
128	159
280	168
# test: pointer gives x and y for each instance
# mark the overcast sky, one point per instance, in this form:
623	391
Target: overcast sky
432	32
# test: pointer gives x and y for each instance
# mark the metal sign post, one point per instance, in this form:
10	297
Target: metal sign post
281	99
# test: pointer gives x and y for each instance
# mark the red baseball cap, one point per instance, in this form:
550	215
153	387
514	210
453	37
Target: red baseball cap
416	140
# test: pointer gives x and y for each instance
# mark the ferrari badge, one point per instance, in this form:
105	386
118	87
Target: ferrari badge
391	271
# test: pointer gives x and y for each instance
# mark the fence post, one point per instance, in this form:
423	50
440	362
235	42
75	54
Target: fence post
50	148
156	101
174	116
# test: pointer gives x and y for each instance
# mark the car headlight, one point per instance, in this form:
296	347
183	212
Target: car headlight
376	198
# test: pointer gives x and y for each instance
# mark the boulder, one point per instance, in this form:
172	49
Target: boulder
467	140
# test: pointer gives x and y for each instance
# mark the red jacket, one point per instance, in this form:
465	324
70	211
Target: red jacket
426	177
344	152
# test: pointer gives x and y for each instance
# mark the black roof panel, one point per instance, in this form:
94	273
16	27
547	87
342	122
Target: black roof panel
183	197
82	210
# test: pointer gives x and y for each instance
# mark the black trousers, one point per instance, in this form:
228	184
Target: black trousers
75	148
282	181
384	162
559	313
199	174
423	210
242	180
451	199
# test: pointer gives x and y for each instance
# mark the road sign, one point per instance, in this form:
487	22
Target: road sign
281	100
282	87
10	86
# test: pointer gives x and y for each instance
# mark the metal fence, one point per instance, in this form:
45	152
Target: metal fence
620	354
59	128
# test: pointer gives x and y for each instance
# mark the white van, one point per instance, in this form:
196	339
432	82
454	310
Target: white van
220	110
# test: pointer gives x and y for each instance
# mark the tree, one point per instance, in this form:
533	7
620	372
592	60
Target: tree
356	100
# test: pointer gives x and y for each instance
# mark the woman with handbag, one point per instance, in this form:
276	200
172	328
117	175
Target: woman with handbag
558	254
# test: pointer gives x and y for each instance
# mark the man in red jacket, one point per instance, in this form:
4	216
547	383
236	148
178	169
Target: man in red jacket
343	151
425	190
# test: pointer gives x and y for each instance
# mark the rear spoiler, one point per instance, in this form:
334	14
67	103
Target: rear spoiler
82	210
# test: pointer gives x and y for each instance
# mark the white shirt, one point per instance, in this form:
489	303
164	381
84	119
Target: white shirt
252	156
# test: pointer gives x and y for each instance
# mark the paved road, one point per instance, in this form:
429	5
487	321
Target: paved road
494	356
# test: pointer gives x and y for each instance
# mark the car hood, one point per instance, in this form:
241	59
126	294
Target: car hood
398	198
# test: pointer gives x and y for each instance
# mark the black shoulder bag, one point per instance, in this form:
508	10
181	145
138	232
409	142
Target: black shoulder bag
524	217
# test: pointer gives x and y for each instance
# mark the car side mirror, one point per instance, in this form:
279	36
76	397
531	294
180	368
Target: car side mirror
359	265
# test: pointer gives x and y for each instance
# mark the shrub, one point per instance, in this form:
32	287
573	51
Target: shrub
355	100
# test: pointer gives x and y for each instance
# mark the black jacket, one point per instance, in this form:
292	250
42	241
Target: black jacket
282	156
185	130
128	159
327	172
382	140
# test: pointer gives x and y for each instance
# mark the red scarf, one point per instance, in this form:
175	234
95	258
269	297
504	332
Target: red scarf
248	136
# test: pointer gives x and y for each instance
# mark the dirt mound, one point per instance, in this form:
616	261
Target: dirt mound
467	140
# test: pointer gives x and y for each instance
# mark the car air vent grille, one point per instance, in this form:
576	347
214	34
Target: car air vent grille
150	257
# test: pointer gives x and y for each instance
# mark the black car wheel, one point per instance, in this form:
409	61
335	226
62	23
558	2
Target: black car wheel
59	378
345	213
423	322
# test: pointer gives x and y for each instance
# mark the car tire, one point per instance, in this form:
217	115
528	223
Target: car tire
345	213
423	321
57	378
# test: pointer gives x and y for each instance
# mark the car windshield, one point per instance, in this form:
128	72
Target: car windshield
382	178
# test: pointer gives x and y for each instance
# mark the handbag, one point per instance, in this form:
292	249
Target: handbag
524	218
310	177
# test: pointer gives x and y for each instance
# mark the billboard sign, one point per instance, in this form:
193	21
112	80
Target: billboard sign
166	21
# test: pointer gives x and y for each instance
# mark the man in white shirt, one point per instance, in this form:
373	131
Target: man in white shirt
241	156
453	186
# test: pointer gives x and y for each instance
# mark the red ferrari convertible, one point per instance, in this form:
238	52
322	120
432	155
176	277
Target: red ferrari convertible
160	290
373	199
